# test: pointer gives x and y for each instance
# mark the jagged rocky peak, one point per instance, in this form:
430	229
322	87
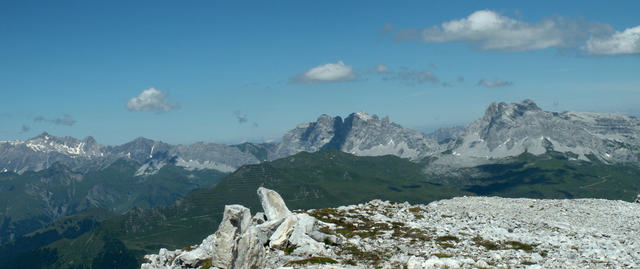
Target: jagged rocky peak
360	134
512	129
513	110
463	232
46	142
363	116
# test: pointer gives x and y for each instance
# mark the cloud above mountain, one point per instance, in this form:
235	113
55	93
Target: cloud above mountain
151	100
494	83
490	30
330	72
617	43
66	120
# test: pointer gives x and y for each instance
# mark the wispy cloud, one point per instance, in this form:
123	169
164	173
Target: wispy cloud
242	118
66	120
407	75
617	43
25	128
387	28
331	72
151	100
494	83
381	69
419	77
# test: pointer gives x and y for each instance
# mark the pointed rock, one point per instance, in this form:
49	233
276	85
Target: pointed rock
272	203
236	220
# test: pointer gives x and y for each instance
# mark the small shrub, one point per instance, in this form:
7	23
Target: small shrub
442	255
447	238
288	250
520	245
485	243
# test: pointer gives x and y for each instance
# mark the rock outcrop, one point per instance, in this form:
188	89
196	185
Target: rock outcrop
464	232
242	241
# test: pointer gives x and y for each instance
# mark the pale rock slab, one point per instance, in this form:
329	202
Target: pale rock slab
272	203
235	221
280	237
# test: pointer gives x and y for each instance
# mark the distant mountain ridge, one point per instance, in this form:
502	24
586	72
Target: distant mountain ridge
42	151
511	129
504	130
359	134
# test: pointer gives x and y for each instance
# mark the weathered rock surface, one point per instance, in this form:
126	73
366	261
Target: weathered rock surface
273	205
464	232
234	223
242	241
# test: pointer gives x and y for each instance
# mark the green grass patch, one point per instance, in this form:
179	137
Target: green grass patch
520	245
442	255
312	260
447	238
485	243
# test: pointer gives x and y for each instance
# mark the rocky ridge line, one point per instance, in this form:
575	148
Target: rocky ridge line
242	241
463	232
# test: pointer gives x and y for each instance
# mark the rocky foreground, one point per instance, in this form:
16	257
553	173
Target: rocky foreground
464	232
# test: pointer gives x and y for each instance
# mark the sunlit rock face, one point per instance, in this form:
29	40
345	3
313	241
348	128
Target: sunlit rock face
463	232
508	130
505	130
359	134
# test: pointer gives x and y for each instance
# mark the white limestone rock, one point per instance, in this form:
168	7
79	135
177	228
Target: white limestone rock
463	232
236	220
280	237
272	203
202	252
250	250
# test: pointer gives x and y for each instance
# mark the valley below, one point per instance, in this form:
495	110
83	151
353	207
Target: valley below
509	190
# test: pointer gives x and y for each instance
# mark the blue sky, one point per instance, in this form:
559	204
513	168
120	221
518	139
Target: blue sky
232	71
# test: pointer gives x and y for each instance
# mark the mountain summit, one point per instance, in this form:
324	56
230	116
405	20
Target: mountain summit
360	134
512	129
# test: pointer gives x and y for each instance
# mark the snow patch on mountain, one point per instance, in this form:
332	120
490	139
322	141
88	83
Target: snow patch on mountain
199	165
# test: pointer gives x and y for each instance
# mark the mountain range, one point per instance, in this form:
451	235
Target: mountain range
504	130
513	150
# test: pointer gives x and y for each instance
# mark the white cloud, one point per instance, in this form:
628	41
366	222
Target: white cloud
330	72
493	84
150	100
491	31
626	42
381	68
